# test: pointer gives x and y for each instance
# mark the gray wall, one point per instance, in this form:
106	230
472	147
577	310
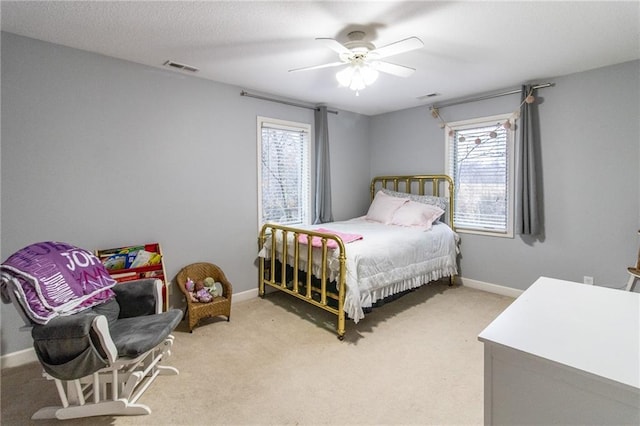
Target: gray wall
590	146
102	153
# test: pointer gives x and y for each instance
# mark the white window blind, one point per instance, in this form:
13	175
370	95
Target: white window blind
284	170
480	161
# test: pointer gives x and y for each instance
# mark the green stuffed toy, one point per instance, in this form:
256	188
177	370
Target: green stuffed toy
213	287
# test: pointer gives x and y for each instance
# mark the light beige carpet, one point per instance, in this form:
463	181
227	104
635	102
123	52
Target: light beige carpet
278	361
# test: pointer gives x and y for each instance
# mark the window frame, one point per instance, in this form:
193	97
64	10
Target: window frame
296	127
479	122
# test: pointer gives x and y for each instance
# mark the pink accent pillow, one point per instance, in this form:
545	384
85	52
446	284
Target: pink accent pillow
383	207
416	215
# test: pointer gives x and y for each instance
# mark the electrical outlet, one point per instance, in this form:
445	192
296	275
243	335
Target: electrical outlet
588	280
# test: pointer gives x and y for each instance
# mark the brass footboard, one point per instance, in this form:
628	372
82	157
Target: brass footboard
303	272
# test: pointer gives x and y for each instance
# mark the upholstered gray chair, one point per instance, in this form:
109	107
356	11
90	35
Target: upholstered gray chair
103	358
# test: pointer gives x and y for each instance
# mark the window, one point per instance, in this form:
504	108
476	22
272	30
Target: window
283	172
479	158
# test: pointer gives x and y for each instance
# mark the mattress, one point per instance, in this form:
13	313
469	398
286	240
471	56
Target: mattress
387	260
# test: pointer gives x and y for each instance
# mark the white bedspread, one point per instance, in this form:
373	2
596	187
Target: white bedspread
388	260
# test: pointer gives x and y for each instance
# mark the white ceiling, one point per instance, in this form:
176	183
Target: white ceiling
469	47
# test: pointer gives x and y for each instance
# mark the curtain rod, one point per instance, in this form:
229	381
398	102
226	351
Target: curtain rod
482	98
264	98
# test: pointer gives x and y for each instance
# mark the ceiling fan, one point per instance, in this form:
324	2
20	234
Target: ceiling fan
363	59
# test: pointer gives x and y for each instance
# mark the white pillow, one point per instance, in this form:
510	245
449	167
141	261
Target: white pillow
417	215
441	202
383	207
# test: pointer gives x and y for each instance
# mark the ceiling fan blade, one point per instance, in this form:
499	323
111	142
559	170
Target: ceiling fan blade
316	67
334	45
398	47
393	69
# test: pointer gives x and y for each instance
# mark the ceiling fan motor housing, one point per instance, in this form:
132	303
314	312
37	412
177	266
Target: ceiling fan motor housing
357	44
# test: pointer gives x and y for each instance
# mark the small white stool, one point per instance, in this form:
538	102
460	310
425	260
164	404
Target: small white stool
634	276
634	273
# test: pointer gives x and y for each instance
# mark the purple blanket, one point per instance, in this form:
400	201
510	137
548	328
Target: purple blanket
53	278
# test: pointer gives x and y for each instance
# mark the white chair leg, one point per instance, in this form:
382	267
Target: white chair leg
632	282
127	380
106	408
165	370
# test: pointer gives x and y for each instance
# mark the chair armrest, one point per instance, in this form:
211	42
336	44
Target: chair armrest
100	326
227	288
139	297
65	327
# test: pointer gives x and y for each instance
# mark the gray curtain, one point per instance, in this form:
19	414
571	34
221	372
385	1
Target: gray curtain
323	171
528	215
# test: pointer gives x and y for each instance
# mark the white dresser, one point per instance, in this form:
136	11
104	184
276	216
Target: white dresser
564	353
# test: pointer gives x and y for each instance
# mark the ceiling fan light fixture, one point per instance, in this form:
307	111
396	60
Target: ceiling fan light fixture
363	59
344	76
357	80
357	77
369	75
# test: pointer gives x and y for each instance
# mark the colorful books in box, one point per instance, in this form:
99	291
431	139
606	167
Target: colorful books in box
115	262
120	258
132	253
142	259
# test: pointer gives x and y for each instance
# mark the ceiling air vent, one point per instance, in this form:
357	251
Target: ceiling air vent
430	95
180	66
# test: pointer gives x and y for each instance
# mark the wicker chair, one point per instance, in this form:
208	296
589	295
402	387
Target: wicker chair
220	305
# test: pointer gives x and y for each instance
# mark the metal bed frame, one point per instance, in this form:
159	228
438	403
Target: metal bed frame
317	290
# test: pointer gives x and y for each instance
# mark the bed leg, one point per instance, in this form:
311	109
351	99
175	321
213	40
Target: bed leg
341	329
261	279
452	280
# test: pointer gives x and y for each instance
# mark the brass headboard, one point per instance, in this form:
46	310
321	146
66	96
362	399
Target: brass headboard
441	186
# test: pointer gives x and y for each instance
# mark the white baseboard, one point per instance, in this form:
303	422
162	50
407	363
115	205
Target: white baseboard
18	358
491	288
245	295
